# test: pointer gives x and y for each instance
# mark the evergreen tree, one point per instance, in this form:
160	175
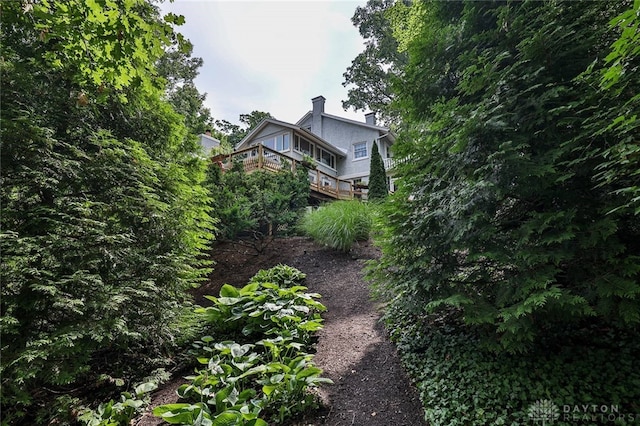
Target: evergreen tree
501	219
257	206
378	188
104	218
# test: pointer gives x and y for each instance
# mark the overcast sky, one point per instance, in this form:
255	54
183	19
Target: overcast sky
272	56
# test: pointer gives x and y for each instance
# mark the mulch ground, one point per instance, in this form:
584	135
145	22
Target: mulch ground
370	387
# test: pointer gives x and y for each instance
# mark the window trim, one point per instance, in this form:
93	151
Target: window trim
353	150
318	157
296	146
274	138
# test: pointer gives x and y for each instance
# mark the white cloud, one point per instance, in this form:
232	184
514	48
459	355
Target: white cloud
271	56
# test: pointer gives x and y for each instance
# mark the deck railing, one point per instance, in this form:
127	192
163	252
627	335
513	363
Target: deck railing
388	163
260	157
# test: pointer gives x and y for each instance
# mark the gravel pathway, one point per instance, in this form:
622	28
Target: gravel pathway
370	387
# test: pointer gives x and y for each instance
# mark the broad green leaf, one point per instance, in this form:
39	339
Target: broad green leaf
145	388
227	418
268	389
229	291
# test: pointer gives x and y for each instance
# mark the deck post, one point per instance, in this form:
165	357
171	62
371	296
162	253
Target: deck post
260	153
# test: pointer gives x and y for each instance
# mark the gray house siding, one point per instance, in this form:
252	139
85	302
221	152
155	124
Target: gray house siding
305	123
269	131
338	137
344	134
208	143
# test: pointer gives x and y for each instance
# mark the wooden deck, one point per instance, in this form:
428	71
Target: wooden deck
259	157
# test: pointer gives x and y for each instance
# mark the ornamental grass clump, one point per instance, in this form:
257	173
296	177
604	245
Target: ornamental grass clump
339	224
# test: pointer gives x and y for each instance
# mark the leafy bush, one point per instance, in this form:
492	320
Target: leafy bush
500	214
462	384
114	413
282	275
104	217
257	206
339	224
268	374
265	308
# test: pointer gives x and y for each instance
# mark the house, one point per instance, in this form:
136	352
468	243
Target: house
208	142
340	147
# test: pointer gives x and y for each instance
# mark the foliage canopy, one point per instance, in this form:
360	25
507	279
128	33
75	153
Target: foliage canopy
370	75
505	216
104	216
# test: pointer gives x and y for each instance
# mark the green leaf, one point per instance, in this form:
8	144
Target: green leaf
145	388
229	301
268	389
308	371
228	291
227	418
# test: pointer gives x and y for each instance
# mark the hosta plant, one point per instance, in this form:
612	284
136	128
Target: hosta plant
245	383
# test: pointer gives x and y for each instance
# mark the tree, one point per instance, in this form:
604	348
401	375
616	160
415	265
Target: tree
180	70
253	208
370	74
616	80
236	133
104	218
499	219
378	188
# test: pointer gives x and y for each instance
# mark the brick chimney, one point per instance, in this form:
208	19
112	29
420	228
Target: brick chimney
316	119
370	118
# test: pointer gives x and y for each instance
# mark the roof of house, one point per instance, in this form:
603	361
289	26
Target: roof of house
381	129
311	136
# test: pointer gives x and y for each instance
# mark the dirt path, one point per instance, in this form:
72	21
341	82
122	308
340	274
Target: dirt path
370	387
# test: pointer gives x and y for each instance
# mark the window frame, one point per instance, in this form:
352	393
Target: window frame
296	146
333	159
366	151
282	137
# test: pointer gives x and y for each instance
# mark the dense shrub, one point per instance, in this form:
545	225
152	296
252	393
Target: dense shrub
461	384
501	214
266	372
258	205
339	224
104	218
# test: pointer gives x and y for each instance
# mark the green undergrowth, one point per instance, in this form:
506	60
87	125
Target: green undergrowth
258	368
586	375
252	351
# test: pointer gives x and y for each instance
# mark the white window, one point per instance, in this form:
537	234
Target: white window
278	143
360	150
269	143
325	157
304	146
